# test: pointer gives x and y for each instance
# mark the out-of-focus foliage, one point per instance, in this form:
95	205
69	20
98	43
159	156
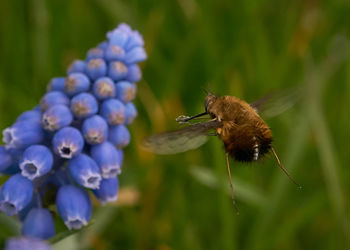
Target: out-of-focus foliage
241	48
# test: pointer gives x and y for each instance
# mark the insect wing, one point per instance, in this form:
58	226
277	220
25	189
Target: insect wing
180	140
276	103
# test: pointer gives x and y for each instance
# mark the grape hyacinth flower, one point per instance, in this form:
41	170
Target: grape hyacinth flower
107	158
26	243
53	98
72	142
76	83
117	70
78	66
130	113
104	88
85	171
39	224
36	161
95	129
108	191
23	134
56	117
96	68
113	111
56	84
68	142
125	91
119	136
74	206
15	194
84	105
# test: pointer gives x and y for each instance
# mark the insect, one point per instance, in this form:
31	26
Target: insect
245	135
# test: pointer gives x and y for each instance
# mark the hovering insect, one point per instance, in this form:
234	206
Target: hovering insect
246	136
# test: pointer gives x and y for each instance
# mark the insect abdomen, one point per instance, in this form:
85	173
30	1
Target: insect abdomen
248	142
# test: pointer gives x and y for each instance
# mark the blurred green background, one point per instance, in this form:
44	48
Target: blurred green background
242	48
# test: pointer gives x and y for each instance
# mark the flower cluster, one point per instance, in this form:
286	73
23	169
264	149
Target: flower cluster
72	142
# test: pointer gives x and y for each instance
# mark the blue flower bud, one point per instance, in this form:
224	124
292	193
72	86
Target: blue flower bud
53	98
68	142
134	73
85	171
36	161
108	191
135	55
34	115
104	88
84	105
39	224
96	68
117	37
135	40
9	159
15	194
114	53
5	158
119	136
95	129
56	117
130	113
76	83
125	91
113	111
56	84
108	159
32	204
74	206
124	28
117	70
61	178
94	53
26	243
78	66
22	134
103	45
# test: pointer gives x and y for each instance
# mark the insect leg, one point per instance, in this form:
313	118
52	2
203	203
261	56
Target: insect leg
229	176
283	169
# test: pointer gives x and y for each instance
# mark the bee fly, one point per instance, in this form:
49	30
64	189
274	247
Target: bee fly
246	136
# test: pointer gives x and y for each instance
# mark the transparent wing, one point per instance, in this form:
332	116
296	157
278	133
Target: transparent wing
276	103
180	140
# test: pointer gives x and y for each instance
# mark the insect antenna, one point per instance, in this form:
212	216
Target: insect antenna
229	176
283	169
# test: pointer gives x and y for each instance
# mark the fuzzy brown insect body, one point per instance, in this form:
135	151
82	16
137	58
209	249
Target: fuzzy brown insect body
245	135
